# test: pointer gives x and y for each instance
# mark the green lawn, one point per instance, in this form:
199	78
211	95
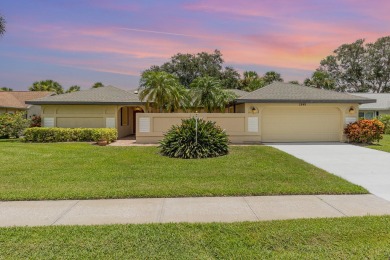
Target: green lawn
383	145
84	171
338	238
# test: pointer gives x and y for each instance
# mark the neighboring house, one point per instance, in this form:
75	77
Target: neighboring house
373	110
13	101
280	112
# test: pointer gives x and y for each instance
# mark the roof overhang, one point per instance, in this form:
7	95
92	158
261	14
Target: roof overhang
21	108
83	103
358	101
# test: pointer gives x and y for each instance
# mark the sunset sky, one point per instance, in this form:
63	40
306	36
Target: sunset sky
79	42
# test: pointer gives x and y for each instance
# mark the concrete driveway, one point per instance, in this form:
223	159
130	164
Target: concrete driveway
363	166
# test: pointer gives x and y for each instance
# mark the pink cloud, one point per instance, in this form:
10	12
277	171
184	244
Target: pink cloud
298	44
265	8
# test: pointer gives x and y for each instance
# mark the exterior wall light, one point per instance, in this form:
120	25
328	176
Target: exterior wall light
351	110
254	110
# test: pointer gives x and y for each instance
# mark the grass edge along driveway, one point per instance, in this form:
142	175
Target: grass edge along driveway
334	238
84	171
382	145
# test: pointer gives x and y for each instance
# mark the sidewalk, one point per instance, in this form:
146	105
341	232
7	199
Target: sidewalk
204	209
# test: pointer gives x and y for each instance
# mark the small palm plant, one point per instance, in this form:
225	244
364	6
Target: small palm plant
162	91
195	139
207	93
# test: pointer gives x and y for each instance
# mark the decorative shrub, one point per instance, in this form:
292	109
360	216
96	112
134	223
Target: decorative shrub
35	121
385	119
104	134
180	141
12	125
364	131
55	134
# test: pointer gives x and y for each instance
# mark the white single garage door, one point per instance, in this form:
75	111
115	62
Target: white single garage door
300	124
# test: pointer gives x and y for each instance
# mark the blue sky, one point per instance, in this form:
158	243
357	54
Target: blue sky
82	42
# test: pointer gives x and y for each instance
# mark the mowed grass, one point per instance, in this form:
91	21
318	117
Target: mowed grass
84	171
383	145
341	238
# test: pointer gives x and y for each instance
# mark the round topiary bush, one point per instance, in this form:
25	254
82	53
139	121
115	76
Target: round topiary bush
181	141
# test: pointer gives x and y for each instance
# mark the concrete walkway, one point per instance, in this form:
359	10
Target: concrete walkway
363	166
129	141
204	209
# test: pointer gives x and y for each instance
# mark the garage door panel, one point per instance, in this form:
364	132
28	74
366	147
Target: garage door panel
297	124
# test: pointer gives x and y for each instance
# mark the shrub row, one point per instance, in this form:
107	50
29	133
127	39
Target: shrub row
55	134
364	131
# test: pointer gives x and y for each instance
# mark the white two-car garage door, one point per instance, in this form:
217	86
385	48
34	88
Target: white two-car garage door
300	124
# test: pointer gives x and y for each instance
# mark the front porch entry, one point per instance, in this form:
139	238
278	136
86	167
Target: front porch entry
126	120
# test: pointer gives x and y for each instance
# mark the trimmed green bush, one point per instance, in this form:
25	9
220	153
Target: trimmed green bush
12	125
55	134
181	141
385	119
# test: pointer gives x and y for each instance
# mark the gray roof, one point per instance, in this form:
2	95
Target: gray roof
382	101
108	95
279	92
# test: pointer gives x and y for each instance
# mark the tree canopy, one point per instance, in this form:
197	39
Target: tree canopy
47	85
272	76
2	25
97	85
296	82
207	92
6	89
188	67
355	67
162	91
251	81
320	79
53	86
73	88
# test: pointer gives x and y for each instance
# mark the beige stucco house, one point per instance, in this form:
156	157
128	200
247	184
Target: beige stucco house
279	112
376	109
14	101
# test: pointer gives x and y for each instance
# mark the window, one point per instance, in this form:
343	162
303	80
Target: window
124	116
368	114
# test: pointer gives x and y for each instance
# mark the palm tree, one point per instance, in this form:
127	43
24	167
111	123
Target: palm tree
207	92
162	91
2	25
251	81
272	76
97	85
47	85
296	82
73	88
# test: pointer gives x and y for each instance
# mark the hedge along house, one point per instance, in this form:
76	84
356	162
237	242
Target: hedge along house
279	112
105	107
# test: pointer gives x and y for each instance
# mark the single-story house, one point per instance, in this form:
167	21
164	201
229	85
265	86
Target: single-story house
13	101
373	110
279	112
